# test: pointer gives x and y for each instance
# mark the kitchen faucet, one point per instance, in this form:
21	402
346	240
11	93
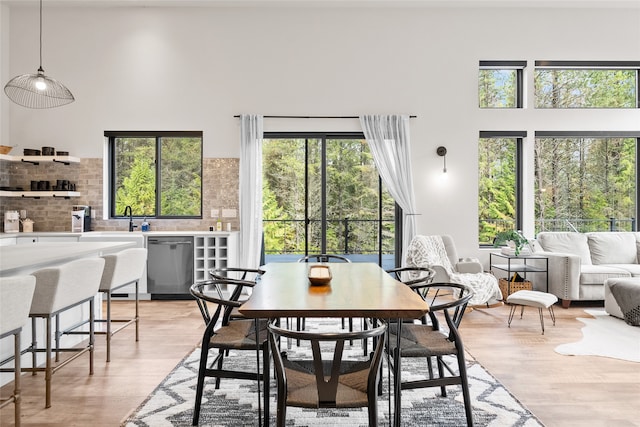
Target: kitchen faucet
131	226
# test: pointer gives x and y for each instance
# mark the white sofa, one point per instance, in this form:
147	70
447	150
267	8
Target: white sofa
579	263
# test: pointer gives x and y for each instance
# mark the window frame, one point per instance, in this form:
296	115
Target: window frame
157	135
590	65
519	136
324	136
605	134
519	67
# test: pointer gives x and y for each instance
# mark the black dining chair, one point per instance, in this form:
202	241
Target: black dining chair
324	258
248	278
435	340
236	273
311	381
412	277
227	337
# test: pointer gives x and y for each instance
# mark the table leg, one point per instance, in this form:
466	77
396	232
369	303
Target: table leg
397	380
257	332
388	337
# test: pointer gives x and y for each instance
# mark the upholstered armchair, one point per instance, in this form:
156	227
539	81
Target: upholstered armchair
439	253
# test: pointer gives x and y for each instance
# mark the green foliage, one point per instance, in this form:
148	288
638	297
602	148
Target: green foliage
138	189
351	196
180	186
582	180
497	88
497	187
577	88
503	237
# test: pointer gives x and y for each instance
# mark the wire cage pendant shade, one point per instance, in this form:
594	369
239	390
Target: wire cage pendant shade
37	90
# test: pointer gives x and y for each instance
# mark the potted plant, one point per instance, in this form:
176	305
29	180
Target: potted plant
513	239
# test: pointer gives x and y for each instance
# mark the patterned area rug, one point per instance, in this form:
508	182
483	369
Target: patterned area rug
236	404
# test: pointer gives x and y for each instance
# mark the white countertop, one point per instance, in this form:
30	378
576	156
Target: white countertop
116	233
22	259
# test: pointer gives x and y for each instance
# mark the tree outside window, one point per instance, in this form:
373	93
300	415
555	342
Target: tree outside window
590	86
498	191
157	175
585	183
500	84
322	193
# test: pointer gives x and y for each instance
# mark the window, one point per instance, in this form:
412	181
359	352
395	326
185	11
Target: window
499	192
322	194
575	84
586	181
500	84
158	174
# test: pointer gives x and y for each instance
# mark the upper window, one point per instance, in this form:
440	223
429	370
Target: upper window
500	84
586	181
158	174
575	84
499	180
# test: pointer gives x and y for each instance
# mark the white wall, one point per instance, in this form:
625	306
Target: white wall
4	72
194	68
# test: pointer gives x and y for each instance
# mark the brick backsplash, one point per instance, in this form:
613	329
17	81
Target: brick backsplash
220	191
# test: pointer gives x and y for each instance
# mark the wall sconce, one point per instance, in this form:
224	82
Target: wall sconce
442	152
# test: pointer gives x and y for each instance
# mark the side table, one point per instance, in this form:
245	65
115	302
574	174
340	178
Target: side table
519	264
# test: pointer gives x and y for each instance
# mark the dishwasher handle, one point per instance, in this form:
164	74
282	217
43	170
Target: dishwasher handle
161	242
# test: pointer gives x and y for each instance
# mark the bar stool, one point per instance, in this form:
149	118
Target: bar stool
16	294
121	269
58	289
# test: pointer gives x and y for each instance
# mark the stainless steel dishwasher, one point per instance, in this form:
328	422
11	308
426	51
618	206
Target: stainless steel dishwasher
170	267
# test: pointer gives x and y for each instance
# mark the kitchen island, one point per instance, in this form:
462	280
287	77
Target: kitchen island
211	249
25	259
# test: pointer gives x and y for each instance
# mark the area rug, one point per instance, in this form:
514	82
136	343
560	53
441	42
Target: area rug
236	403
605	336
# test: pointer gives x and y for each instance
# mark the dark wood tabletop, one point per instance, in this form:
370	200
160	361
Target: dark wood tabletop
355	290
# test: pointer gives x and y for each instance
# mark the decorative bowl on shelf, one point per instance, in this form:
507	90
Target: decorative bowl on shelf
5	149
319	274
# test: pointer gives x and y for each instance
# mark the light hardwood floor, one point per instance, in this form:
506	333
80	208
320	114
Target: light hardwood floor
559	390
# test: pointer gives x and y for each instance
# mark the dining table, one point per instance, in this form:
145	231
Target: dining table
354	290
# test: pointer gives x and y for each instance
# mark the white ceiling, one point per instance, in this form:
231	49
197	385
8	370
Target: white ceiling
330	3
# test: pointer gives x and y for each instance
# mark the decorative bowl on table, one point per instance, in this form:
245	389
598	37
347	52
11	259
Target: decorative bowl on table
319	275
5	149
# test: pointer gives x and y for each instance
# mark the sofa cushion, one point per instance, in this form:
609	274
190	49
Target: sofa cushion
597	274
633	269
566	242
612	248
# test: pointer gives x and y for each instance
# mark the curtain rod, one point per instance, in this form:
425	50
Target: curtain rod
313	117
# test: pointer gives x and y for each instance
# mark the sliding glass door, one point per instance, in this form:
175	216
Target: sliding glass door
322	194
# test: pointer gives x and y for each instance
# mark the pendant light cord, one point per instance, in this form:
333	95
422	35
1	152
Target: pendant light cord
40	69
37	90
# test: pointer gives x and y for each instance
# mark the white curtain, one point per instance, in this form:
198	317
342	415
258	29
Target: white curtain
389	142
251	134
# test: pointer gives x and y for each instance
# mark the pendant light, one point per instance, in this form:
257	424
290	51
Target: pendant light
38	90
